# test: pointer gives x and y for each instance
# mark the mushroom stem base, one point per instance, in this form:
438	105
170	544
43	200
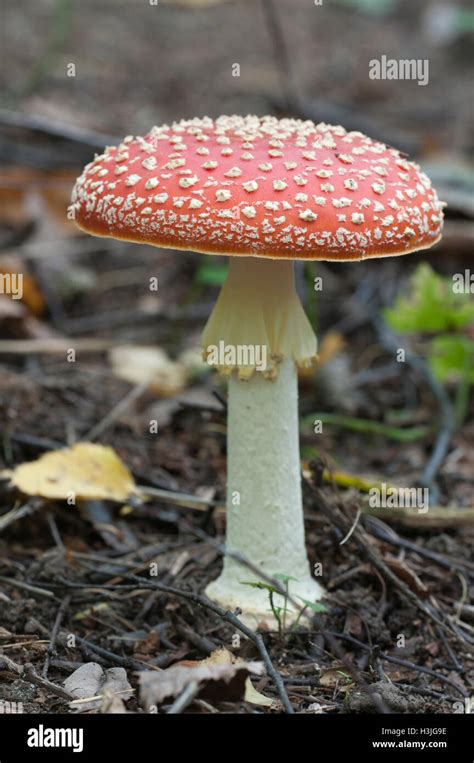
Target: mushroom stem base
264	501
255	606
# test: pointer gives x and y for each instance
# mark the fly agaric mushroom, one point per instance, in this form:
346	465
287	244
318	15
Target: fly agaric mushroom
266	192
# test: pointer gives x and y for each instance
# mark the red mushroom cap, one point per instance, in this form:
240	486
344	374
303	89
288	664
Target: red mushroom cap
277	188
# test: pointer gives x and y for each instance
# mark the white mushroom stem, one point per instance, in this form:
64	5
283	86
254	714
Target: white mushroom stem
264	502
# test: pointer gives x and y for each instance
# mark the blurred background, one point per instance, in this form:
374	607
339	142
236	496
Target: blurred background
78	76
91	353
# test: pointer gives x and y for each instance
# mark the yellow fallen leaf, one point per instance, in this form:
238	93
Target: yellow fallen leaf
254	697
14	273
86	471
332	344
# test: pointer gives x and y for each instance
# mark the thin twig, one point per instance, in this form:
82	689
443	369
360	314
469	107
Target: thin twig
423	669
186	500
54	128
376	529
354	525
452	656
54	634
117	411
55	531
242	560
124	662
447	419
261	575
27	587
184	699
30	507
428	692
396	660
341	521
230	617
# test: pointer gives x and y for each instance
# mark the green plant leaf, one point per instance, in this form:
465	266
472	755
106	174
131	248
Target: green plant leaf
284	578
465	20
211	274
368	426
345	675
452	358
312	605
431	306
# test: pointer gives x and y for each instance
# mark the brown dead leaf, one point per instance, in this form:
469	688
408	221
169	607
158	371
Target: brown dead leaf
55	190
219	678
14	182
403	572
148	645
353	625
335	676
432	648
224	657
399	674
